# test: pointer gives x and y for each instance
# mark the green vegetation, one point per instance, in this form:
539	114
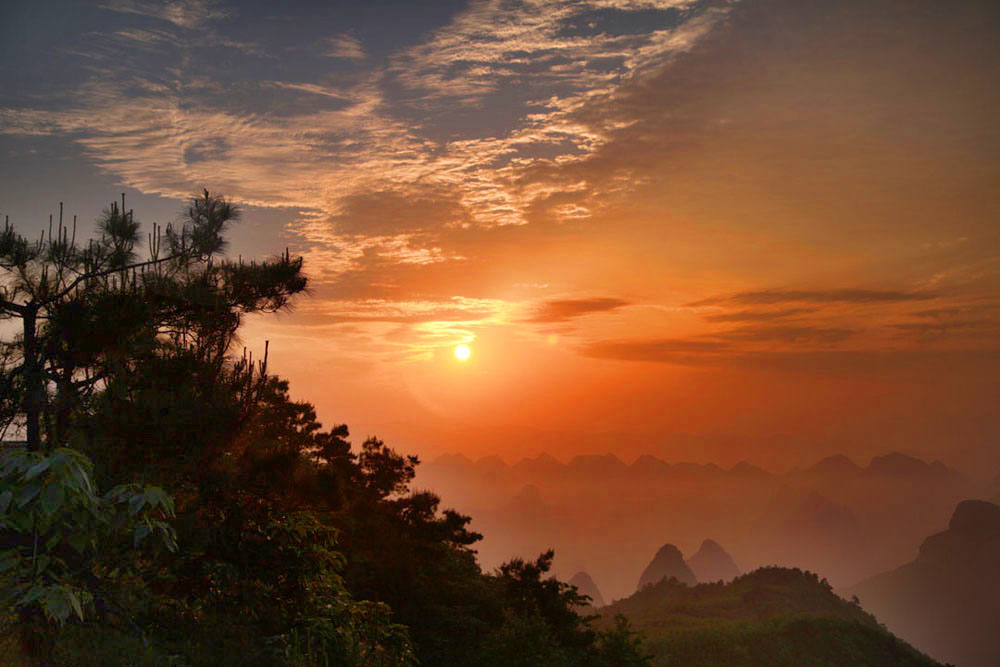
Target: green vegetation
772	616
237	529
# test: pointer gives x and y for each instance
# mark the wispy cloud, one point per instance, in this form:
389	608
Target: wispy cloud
182	13
758	315
844	295
561	310
788	334
661	350
345	46
171	130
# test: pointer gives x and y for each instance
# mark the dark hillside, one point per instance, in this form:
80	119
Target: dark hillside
772	616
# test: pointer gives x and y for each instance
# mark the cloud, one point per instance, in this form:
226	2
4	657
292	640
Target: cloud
182	13
844	295
325	161
385	212
561	310
858	362
311	88
758	315
661	350
788	334
345	46
335	312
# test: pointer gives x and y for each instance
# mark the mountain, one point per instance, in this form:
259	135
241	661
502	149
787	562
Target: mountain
599	465
773	616
897	464
586	586
947	601
648	465
667	563
543	465
835	465
491	464
712	563
747	470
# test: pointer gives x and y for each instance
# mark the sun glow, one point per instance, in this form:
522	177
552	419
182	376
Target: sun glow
462	352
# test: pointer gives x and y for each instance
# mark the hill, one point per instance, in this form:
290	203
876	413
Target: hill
947	601
772	616
668	563
712	563
586	586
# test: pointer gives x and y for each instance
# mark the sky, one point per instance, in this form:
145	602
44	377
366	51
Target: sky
761	230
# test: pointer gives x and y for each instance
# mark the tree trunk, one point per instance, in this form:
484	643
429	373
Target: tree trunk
32	380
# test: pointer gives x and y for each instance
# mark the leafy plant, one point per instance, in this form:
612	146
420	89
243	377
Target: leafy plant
56	527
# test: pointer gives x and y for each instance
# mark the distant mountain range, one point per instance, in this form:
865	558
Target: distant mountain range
894	464
603	515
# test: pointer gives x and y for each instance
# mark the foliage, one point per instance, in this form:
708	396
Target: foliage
56	528
786	641
622	646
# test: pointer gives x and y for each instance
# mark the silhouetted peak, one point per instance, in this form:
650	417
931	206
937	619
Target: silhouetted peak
897	464
542	462
977	518
596	462
668	551
456	460
493	462
667	563
747	469
697	468
948	599
710	547
836	464
712	563
650	463
586	586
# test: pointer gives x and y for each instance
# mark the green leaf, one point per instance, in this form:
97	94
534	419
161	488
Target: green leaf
75	601
135	504
51	543
8	563
42	563
52	498
36	470
78	542
140	533
27	494
34	593
5	499
56	605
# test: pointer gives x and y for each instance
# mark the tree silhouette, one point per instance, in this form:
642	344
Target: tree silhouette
88	310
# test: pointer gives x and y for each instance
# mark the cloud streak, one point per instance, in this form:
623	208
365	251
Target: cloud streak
562	310
849	295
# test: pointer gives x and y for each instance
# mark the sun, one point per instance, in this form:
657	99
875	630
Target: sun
462	352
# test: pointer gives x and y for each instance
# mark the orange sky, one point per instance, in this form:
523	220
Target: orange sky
762	230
